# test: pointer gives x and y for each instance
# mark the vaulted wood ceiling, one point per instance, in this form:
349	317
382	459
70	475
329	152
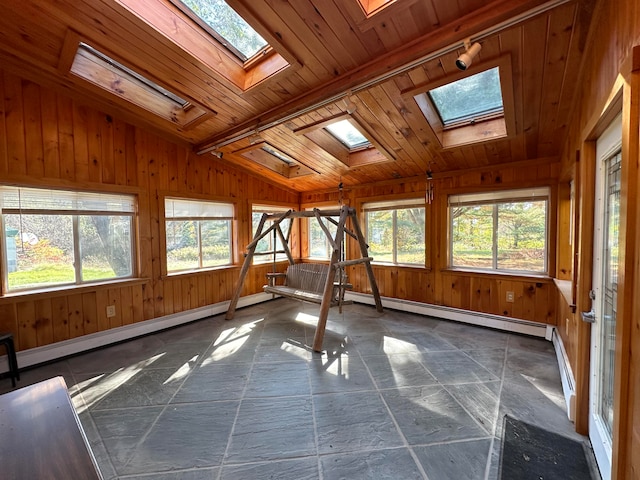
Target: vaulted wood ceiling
333	50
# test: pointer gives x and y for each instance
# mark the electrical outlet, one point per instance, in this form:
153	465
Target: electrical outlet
510	297
111	311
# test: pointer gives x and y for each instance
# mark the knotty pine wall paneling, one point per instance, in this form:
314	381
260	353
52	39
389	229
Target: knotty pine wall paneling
614	34
534	297
49	140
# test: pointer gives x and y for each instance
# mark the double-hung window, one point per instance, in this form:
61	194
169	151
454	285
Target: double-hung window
198	234
396	231
56	237
271	241
501	231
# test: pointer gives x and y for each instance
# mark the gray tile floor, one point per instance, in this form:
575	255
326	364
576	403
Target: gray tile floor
396	396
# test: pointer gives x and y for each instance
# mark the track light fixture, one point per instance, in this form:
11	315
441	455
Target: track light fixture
255	138
470	52
349	104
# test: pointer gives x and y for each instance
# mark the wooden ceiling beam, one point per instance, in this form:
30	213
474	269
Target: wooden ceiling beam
486	17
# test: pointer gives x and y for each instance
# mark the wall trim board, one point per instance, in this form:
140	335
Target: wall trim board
566	374
55	351
499	322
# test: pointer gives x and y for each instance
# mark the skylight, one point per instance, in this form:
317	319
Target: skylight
127	72
469	99
278	154
349	135
112	76
229	28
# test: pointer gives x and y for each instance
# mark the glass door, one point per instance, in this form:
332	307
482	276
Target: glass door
605	285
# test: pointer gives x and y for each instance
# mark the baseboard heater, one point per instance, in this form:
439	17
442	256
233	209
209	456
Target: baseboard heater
54	351
456	314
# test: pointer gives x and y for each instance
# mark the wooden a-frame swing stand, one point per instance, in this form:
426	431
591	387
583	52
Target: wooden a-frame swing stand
325	285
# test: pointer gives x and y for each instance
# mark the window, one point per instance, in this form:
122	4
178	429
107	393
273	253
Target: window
502	231
198	234
265	247
114	77
347	140
319	246
396	231
55	237
469	99
225	25
349	135
465	108
274	159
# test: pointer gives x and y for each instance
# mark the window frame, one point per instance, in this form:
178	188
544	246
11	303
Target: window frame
75	214
352	158
271	209
395	205
485	128
218	37
231	223
496	198
307	233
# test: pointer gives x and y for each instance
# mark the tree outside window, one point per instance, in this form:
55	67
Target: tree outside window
198	234
496	232
55	238
396	235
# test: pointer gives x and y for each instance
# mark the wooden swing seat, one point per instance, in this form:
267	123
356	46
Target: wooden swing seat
306	282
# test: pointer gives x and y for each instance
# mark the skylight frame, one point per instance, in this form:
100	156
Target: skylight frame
343	136
184	104
274	160
490	127
376	152
102	72
225	42
469	117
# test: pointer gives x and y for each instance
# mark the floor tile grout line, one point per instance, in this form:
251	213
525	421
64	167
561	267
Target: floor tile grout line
395	422
90	415
487	469
164	409
242	398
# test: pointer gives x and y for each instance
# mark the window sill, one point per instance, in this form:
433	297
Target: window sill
198	271
491	273
401	265
70	289
565	288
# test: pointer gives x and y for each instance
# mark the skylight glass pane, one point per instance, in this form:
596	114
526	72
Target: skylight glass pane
239	35
348	134
469	98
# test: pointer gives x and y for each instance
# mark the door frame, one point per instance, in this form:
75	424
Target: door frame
607	145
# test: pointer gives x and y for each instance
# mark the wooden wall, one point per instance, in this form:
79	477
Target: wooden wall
535	298
615	32
48	139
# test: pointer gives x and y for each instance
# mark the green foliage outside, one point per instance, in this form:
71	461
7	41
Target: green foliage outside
44	248
520	236
228	24
187	239
408	235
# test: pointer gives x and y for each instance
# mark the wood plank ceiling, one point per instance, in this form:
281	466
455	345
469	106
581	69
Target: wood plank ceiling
334	50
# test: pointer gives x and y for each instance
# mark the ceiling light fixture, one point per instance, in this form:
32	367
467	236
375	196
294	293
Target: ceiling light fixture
471	51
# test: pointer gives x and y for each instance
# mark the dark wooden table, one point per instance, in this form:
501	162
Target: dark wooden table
41	436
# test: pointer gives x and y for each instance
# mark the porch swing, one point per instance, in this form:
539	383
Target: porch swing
323	284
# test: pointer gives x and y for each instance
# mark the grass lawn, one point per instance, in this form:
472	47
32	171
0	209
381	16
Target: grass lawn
54	274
